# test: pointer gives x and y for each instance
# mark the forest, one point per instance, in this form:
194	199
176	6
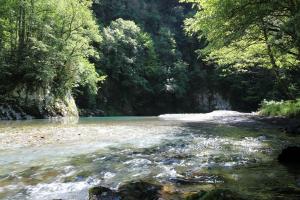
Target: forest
125	57
149	99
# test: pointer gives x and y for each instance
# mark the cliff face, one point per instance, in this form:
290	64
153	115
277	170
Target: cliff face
207	101
38	105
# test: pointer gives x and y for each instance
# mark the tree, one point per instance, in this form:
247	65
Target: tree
250	33
171	61
129	61
46	45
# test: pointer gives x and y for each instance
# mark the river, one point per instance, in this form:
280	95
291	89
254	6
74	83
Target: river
62	159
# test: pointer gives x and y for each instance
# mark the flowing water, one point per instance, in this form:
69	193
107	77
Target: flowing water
42	159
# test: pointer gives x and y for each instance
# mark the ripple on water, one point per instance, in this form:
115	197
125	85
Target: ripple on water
112	153
57	190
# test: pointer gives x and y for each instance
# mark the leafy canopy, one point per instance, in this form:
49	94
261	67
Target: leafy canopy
45	46
240	32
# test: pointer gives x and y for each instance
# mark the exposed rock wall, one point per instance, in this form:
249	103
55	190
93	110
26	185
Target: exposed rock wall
209	101
37	106
12	112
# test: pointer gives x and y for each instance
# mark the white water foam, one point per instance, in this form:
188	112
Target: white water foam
57	190
220	116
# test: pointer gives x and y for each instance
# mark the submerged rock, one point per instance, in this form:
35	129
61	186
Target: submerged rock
192	178
212	179
289	193
293	128
139	190
218	194
102	193
290	155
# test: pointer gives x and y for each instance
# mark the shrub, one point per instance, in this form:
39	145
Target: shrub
290	109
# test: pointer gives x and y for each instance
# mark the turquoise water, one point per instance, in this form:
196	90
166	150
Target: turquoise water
42	159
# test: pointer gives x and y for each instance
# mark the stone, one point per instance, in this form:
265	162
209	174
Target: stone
196	178
140	190
222	194
293	128
290	155
37	105
102	193
218	194
209	101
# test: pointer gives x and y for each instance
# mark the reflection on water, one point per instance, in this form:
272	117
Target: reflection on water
54	160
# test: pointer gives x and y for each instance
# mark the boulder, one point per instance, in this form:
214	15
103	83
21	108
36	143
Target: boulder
140	190
102	193
290	155
293	128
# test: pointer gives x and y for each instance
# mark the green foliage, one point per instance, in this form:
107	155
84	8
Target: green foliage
128	59
146	71
128	54
45	46
250	33
246	50
289	109
241	24
246	35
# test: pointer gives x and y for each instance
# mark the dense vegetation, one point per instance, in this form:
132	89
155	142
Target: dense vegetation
290	109
45	47
150	63
156	56
246	35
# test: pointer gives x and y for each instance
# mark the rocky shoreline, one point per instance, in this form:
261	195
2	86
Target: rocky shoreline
141	190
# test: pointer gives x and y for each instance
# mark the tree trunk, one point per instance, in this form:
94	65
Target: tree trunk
21	31
294	8
282	84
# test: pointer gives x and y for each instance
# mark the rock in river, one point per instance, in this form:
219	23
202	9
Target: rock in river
290	155
217	194
139	190
293	128
102	193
